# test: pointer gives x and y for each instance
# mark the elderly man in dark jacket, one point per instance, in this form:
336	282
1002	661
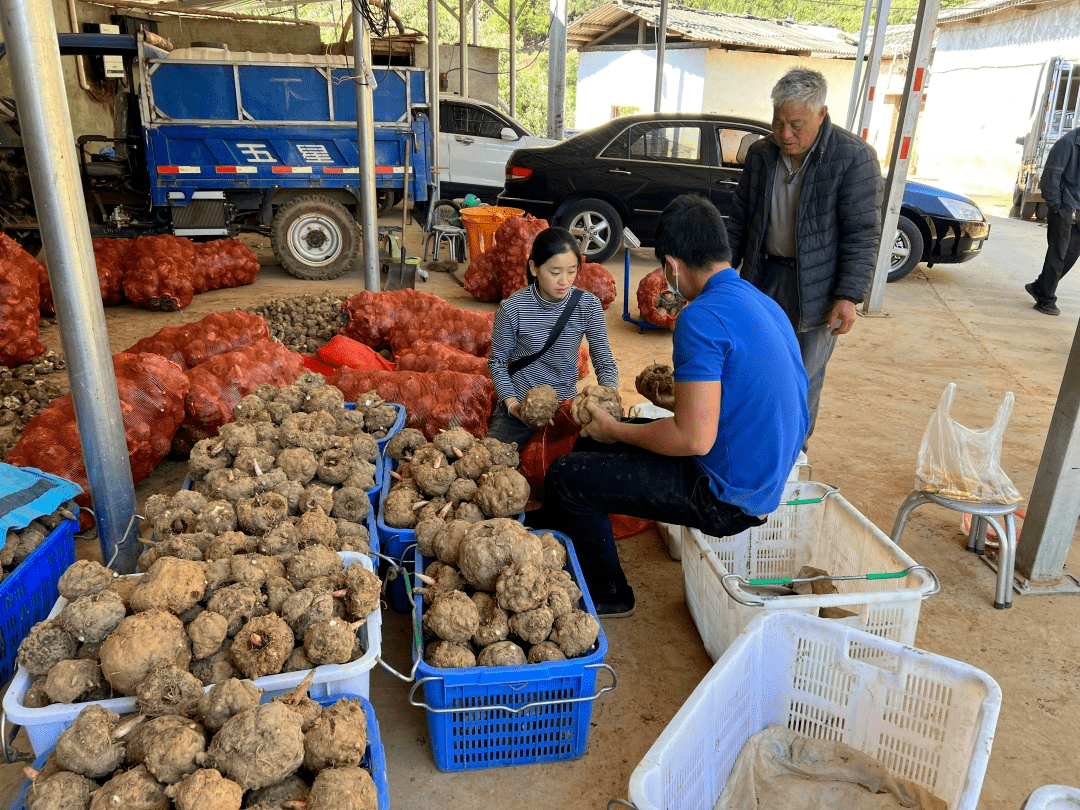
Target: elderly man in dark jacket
1061	189
806	219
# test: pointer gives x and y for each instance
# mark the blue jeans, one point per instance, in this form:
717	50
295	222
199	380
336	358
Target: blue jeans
583	487
507	428
816	346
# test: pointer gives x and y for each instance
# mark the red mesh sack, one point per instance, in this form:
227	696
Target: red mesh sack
196	342
424	355
649	298
223	263
583	362
596	279
397	319
505	261
344	351
109	258
318	366
482	280
434	401
19	297
151	391
220	382
158	272
546	445
45	299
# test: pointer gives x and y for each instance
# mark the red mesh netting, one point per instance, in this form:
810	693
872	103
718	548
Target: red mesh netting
598	280
500	270
424	355
223	263
158	272
397	319
109	258
19	296
151	393
220	382
433	401
45	300
648	292
195	343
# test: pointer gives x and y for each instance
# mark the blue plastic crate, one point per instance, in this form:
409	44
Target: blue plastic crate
28	593
491	717
398	543
399	423
374	756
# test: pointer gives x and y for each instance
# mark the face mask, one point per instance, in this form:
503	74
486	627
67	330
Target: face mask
675	290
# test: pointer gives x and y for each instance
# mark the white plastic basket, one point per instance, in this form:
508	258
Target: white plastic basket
675	536
44	725
1053	797
927	718
815	526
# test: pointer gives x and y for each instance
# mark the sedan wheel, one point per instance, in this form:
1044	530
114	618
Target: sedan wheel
596	225
907	249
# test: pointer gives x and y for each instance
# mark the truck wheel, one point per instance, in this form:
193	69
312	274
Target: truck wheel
314	237
385	200
907	249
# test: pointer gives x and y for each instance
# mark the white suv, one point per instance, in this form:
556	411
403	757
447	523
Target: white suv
475	141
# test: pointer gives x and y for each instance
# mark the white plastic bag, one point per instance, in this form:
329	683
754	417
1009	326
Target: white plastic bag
961	463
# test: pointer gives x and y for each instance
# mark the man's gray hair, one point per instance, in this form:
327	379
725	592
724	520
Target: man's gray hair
801	85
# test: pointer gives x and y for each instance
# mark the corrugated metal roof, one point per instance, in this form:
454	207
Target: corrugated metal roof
735	30
982	8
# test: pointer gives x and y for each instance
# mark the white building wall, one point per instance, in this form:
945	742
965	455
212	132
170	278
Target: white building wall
742	80
627	78
983	80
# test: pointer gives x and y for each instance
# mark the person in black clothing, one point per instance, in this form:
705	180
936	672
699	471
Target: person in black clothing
1061	190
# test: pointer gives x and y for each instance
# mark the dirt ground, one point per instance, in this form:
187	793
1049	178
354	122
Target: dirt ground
883	381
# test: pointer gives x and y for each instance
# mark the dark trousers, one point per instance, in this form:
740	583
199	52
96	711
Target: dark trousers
816	347
1062	250
507	428
583	487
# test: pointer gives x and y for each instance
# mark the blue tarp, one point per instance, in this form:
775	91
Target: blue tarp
27	493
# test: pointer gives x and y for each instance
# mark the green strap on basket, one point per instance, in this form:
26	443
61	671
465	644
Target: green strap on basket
790	581
803	501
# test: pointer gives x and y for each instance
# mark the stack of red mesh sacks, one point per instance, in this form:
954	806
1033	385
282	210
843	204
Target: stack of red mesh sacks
109	262
225	356
152	392
165	272
19	296
499	271
434	398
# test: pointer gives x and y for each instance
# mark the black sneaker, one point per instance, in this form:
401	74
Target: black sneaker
1047	308
1031	291
616	605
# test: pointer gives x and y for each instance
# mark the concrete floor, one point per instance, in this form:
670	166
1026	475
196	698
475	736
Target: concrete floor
970	323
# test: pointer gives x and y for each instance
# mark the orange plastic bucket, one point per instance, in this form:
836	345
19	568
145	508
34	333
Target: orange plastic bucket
481	223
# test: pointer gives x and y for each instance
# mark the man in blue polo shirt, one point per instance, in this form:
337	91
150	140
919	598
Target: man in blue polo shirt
720	463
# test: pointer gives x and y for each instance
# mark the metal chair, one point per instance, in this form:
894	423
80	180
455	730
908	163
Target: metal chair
448	236
982	515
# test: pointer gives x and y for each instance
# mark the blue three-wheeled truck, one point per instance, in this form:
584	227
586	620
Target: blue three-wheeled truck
216	142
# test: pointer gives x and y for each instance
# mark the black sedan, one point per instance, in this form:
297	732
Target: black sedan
623	173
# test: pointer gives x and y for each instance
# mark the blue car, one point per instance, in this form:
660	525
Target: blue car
622	173
936	226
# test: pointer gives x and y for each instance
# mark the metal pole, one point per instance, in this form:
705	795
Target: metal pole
365	148
861	126
475	21
661	46
914	87
434	73
1054	506
29	30
463	45
556	113
513	58
856	77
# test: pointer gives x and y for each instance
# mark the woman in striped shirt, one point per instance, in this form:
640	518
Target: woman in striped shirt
525	323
